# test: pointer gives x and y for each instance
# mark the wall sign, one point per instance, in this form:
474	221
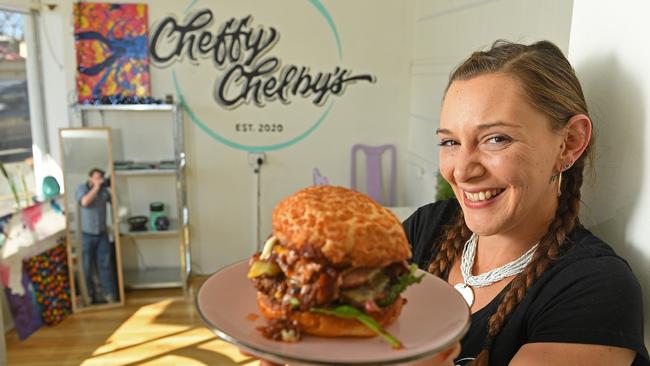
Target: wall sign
248	76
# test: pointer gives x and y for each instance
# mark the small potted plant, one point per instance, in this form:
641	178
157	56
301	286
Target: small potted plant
443	189
11	184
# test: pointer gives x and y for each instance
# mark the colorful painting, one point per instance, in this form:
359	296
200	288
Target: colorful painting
33	266
111	43
48	272
24	308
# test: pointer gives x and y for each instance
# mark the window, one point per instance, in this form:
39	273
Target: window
15	131
15	128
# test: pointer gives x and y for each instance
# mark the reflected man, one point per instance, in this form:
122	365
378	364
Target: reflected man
97	252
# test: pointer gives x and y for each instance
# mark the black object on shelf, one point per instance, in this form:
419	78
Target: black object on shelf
138	223
122	164
161	223
167	164
156	206
140	165
118	99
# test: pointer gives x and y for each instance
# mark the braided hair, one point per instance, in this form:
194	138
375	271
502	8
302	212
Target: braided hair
551	86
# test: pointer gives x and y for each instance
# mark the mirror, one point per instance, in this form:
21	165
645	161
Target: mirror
92	222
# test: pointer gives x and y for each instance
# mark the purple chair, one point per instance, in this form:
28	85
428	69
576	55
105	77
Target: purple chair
374	175
320	180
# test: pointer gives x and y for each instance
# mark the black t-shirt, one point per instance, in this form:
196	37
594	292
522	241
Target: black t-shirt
588	295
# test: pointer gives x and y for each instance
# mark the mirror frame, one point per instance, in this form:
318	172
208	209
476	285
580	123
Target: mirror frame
114	224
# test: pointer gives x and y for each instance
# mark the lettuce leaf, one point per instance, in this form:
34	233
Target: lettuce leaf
402	283
350	312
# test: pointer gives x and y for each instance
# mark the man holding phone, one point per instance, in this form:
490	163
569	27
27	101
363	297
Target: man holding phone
96	250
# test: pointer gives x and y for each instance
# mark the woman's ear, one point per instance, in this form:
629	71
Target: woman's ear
577	134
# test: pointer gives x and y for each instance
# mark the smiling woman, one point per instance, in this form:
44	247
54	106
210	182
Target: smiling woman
502	157
514	137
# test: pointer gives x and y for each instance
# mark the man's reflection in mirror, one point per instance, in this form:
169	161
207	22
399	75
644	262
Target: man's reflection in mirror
97	252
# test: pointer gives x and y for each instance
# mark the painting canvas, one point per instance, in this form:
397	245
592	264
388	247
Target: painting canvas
34	266
48	272
111	44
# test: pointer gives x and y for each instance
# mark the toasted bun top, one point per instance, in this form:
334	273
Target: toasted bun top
346	226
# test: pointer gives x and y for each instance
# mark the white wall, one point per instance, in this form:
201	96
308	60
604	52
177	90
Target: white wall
375	38
446	32
609	49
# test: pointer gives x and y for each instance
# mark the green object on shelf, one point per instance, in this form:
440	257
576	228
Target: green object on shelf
156	210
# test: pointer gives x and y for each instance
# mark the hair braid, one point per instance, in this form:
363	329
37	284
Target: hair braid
565	220
451	247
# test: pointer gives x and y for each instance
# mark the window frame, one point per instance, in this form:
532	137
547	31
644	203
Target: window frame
33	65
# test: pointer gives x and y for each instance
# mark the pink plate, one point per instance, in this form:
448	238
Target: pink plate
434	317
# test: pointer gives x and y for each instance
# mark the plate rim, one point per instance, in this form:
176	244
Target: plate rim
289	359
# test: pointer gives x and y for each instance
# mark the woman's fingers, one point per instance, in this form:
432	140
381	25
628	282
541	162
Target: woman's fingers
245	353
262	362
268	363
444	358
447	357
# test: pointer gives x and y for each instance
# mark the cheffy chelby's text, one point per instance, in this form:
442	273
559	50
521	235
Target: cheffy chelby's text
250	74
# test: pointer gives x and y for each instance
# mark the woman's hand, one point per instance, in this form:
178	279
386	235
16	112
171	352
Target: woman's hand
262	362
269	363
444	358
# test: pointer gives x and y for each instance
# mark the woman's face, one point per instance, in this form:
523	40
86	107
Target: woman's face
499	153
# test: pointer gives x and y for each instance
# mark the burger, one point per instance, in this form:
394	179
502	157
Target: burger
335	265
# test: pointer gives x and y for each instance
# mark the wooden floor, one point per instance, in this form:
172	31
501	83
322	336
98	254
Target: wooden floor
156	327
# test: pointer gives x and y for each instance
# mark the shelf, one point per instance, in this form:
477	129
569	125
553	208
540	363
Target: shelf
150	234
137	172
162	164
153	278
126	107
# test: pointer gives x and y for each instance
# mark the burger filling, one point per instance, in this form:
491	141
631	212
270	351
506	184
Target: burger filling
281	330
306	281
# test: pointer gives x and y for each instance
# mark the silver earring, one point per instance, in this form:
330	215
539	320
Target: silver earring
559	185
567	166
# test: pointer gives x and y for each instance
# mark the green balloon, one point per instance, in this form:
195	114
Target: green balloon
51	187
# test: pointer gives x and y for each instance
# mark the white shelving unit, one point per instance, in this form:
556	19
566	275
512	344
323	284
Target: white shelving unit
133	141
129	107
136	172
